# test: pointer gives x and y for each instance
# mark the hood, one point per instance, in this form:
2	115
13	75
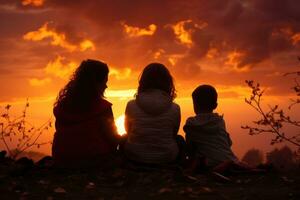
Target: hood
207	121
154	102
73	116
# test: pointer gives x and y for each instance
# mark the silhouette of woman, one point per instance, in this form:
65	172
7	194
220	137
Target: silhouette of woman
85	129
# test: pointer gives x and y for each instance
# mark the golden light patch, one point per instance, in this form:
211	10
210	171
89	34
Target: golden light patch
60	69
201	25
57	39
39	82
120	74
33	2
158	53
233	91
183	34
87	44
288	33
174	58
296	38
172	61
133	31
129	93
212	53
234	60
120	124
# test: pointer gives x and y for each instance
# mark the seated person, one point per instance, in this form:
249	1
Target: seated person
208	142
85	130
152	119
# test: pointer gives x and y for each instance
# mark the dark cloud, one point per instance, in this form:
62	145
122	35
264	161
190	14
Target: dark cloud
232	25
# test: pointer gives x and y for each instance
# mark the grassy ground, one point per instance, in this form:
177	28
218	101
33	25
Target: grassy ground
19	181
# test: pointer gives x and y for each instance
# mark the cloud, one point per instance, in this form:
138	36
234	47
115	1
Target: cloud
136	31
212	53
296	38
184	30
234	59
58	39
120	74
158	53
183	35
200	25
39	82
61	68
86	44
33	2
232	91
230	35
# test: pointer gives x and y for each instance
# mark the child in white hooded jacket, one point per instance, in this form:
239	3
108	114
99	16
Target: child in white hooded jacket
152	119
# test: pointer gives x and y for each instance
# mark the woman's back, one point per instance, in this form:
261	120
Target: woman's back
85	128
81	137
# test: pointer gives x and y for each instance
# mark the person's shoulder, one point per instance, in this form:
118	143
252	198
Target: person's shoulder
131	103
189	125
101	106
175	106
190	121
220	118
105	102
131	106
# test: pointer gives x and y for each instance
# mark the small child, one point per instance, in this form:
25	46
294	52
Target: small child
206	136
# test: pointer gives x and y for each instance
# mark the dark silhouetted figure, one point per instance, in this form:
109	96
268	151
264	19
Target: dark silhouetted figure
85	130
152	119
208	142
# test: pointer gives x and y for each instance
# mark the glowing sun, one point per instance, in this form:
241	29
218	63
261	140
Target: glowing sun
120	124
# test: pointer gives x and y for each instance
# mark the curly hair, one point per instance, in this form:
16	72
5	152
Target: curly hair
83	89
157	76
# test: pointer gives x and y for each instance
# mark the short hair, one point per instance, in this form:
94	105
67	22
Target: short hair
205	96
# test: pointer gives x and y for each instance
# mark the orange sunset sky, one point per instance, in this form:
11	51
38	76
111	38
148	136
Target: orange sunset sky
218	42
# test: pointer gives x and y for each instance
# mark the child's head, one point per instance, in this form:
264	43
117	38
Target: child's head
205	99
157	76
86	85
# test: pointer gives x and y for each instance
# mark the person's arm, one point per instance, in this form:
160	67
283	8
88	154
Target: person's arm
110	127
227	134
190	149
177	120
229	139
127	120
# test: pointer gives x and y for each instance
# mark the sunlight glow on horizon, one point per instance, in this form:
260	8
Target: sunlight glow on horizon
120	125
120	93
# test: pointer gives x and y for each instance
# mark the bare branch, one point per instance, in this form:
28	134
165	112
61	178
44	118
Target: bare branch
20	130
271	121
